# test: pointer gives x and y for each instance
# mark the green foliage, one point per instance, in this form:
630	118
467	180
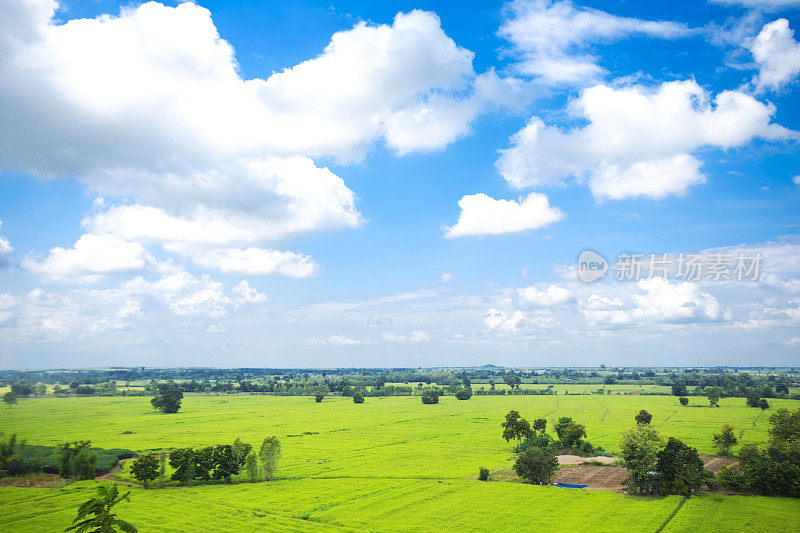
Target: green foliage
538	440
515	427
226	463
713	394
319	397
785	429
430	397
76	460
763	404
643	417
168	401
679	468
241	450
251	465
11	455
639	448
358	398
536	465
270	454
684	401
725	439
95	515
569	432
679	389
483	474
162	469
540	424
145	468
464	394
9	398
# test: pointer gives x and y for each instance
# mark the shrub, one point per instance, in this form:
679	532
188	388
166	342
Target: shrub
319	397
430	397
464	394
145	468
357	398
483	474
536	465
643	417
684	401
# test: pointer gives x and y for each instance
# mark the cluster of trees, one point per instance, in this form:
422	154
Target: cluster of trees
76	460
772	468
219	463
168	399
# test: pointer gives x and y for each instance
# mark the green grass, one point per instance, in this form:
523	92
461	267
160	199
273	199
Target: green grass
391	464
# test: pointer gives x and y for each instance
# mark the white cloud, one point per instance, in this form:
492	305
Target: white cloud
777	55
149	106
447	277
517	321
415	337
5	246
794	341
637	141
546	297
216	328
92	257
551	39
796	180
482	215
761	5
247	294
336	339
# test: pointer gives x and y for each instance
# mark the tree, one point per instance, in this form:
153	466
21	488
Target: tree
9	398
639	448
512	381
430	397
725	440
679	389
251	464
145	468
270	454
168	401
568	431
240	451
103	520
785	427
643	417
464	394
536	465
515	427
11	452
713	394
679	468
319	397
684	401
358	398
483	474
226	463
76	460
540	424
763	404
752	399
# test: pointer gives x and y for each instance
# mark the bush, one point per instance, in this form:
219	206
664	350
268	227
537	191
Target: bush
684	400
483	474
538	440
464	394
319	397
430	397
357	398
536	465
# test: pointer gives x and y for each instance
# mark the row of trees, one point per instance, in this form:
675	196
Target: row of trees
219	463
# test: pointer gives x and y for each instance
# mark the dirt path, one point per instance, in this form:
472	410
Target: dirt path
111	474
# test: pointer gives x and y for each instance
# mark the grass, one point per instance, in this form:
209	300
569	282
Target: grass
391	464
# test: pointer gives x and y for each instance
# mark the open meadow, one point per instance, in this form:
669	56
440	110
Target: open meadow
390	464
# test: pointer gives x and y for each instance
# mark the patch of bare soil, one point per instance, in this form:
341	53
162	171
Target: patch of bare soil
715	463
111	474
596	477
576	460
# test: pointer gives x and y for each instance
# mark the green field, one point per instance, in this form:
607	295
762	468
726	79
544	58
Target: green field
391	464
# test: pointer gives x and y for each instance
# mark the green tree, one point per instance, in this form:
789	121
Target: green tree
752	399
536	465
679	468
430	397
251	464
684	401
713	394
639	447
240	451
763	404
145	468
679	389
76	460
270	454
785	427
568	431
226	464
11	452
725	440
96	516
358	398
319	397
643	417
168	401
483	474
540	424
516	427
9	398
464	394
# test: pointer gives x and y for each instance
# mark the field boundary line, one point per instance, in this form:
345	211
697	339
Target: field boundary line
672	515
601	405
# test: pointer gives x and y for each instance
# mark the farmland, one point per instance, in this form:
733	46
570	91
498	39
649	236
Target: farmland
390	464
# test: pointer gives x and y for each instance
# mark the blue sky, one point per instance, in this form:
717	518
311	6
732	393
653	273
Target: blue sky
395	184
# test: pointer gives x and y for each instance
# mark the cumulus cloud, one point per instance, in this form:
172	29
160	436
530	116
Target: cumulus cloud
638	141
544	297
482	215
336	339
551	39
761	5
796	180
92	257
447	277
777	55
415	337
5	246
149	106
657	301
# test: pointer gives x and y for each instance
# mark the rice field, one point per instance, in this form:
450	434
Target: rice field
390	464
